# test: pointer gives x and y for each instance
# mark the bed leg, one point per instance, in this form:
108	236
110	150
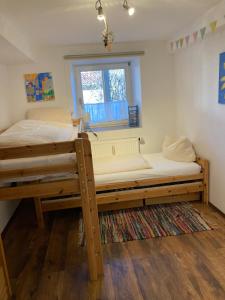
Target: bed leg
39	213
89	207
205	170
206	183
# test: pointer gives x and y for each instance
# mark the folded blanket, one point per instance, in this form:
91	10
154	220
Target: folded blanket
117	164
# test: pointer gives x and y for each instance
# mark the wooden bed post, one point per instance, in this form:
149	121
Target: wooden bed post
89	207
83	135
5	287
39	213
205	170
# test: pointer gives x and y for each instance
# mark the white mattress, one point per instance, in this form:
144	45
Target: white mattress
161	167
30	132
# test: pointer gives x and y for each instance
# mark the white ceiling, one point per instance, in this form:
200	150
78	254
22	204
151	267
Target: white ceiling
61	22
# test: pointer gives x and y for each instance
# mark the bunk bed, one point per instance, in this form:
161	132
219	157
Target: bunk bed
71	183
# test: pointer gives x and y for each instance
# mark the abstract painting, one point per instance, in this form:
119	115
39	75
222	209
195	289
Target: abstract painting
222	79
39	87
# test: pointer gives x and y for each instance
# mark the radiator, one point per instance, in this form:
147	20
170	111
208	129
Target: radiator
115	147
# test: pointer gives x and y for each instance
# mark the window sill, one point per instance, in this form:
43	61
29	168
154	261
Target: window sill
112	128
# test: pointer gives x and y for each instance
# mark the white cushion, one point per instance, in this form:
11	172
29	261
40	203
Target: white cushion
117	164
180	150
55	114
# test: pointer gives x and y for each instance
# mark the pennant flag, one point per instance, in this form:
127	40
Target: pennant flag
203	31
187	39
213	26
177	43
181	42
195	36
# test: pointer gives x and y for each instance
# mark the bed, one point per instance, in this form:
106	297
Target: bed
167	181
33	150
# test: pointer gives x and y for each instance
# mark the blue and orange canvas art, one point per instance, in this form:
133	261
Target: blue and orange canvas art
39	87
222	79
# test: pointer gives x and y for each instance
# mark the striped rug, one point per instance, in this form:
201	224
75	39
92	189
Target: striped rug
148	222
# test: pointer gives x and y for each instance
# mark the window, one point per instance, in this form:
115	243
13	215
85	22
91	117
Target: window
103	93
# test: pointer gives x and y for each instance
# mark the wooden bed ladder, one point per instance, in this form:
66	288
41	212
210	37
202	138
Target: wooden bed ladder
89	207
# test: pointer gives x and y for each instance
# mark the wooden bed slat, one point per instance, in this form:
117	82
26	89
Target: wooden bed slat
47	189
35	171
147	182
37	150
65	203
147	193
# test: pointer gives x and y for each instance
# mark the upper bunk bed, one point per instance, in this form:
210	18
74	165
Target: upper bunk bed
32	150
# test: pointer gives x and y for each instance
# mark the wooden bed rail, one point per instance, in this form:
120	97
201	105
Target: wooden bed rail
37	150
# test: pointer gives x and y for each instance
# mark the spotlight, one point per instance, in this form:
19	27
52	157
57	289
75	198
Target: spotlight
131	10
98	7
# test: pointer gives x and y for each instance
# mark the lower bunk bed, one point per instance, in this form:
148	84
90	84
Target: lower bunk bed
166	182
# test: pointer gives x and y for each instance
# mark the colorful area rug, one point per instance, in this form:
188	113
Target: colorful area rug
148	222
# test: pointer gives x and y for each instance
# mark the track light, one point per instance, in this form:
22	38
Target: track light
108	35
131	10
98	7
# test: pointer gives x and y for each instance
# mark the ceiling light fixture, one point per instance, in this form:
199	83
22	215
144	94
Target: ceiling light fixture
108	35
131	10
98	7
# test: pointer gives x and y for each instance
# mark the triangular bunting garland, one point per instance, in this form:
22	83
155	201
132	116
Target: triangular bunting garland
187	39
203	31
181	42
213	26
195	36
192	38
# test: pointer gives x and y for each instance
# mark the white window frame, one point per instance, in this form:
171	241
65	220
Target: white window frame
102	67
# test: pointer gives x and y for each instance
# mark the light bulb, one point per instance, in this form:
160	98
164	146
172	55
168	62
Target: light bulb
101	17
131	11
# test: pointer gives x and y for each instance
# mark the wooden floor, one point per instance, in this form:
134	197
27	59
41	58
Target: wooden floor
47	264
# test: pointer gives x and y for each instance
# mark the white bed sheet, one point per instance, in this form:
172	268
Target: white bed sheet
31	132
161	167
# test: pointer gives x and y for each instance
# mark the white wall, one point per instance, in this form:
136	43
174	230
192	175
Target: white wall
156	68
199	116
5	111
6	208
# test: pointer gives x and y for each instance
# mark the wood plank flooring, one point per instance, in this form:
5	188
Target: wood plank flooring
47	264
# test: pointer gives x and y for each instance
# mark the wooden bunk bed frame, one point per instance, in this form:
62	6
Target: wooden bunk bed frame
80	191
82	185
136	193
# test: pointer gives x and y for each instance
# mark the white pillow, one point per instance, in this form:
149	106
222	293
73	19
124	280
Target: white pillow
117	164
55	114
180	150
